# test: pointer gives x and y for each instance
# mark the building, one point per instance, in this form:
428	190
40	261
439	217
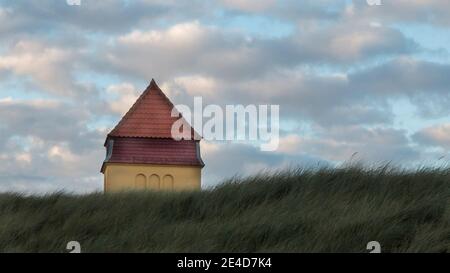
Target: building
142	154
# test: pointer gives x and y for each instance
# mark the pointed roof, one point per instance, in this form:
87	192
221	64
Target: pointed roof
149	117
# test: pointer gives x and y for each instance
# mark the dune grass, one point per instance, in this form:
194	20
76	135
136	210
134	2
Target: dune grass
297	210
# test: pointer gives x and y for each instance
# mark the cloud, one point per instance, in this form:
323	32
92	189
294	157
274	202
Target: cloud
49	67
405	75
91	16
194	85
125	94
35	117
46	145
424	83
339	144
435	136
242	159
435	12
248	5
197	49
184	48
345	43
361	97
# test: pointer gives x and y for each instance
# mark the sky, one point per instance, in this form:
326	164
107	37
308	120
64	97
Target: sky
354	81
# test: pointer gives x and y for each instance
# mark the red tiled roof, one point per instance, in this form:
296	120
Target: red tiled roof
150	116
143	136
155	151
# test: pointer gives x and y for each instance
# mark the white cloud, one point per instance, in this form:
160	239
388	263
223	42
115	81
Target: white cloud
58	153
181	36
48	66
290	144
24	158
195	85
125	95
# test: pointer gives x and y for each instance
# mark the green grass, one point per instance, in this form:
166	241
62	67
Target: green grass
324	210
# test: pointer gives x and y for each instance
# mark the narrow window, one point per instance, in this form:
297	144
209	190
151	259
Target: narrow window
168	182
109	149
140	181
153	182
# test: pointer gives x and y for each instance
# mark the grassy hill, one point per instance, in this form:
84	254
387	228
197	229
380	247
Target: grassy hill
326	210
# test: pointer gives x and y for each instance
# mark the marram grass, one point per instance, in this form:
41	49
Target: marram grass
297	210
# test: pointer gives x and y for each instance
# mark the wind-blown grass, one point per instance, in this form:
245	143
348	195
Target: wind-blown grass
324	210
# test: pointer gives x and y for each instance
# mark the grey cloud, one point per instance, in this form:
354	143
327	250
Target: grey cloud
436	136
107	16
344	43
230	55
36	118
404	75
425	83
216	52
370	145
228	160
51	140
432	11
361	97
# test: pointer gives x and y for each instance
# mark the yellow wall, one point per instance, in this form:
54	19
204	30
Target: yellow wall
123	177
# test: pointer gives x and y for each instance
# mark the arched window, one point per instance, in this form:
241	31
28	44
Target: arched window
168	182
140	181
153	182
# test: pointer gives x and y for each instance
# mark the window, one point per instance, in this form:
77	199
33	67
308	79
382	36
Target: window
153	182
109	149
168	182
140	181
